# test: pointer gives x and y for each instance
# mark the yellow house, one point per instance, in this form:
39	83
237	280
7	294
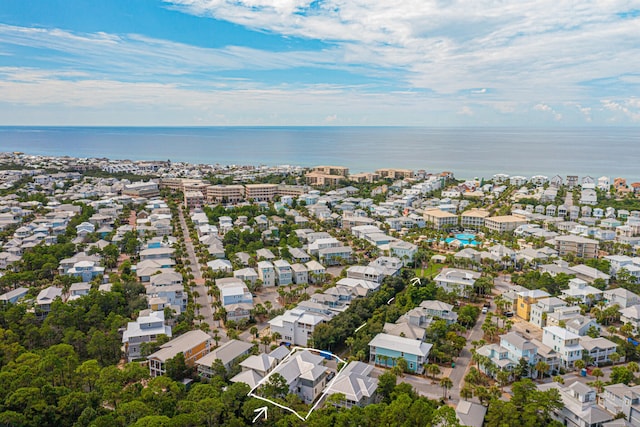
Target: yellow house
526	299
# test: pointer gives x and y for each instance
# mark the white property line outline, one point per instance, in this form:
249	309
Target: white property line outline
324	394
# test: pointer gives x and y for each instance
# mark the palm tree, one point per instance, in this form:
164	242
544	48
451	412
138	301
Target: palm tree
254	331
433	370
445	383
216	337
466	392
266	340
631	366
579	364
615	357
503	378
597	372
542	367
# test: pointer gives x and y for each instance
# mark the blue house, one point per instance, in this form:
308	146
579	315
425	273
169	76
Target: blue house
13	296
385	350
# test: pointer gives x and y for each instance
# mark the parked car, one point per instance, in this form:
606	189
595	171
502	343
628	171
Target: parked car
484	310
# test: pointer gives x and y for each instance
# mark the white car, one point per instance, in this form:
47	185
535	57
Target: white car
484	310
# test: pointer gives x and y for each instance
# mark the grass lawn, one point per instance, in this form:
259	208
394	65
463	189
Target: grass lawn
430	271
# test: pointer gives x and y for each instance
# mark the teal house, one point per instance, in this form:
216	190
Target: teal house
385	350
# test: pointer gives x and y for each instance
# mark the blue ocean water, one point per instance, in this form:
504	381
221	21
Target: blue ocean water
468	152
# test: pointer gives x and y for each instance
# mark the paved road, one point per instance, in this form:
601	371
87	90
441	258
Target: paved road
464	360
203	298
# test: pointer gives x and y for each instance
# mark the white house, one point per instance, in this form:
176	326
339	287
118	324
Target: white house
296	326
565	343
456	280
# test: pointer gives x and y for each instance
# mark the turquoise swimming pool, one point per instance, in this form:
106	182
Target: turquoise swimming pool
465	239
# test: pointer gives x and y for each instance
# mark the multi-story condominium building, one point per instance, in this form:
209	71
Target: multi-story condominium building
195	185
457	280
260	192
193	345
225	193
579	246
146	328
266	273
194	199
565	343
394	173
141	189
171	183
385	350
503	224
326	175
473	218
440	219
283	272
580	408
540	310
332	170
526	300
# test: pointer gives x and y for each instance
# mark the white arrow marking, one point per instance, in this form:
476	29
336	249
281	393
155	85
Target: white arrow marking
260	411
416	280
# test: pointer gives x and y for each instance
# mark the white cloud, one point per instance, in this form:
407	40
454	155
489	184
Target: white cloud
450	46
139	55
466	111
331	118
547	109
430	57
630	108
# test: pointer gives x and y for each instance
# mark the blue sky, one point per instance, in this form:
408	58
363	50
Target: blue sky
319	62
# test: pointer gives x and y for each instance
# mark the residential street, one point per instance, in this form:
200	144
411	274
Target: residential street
464	360
431	388
203	299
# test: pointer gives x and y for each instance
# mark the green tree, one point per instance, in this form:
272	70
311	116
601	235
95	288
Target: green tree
446	384
275	387
176	367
